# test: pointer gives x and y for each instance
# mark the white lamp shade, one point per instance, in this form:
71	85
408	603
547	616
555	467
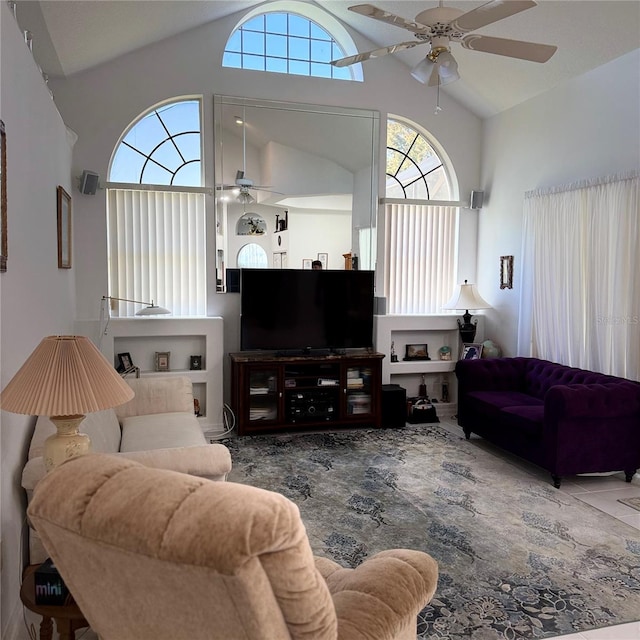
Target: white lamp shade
422	71
65	376
466	297
152	310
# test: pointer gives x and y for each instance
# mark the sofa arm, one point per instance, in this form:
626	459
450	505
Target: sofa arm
382	597
613	400
212	461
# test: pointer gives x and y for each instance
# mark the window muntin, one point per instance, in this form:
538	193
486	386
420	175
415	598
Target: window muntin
285	42
163	147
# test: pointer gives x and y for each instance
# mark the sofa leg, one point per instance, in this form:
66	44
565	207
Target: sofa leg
556	480
628	475
467	434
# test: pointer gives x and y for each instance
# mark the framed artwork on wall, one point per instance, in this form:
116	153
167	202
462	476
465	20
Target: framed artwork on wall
506	272
324	259
64	229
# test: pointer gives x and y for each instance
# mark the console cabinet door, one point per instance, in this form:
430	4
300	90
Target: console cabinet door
261	389
361	383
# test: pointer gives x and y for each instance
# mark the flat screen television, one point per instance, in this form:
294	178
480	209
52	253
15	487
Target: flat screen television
291	310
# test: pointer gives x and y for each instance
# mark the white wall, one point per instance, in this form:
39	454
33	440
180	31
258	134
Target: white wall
586	128
101	103
36	298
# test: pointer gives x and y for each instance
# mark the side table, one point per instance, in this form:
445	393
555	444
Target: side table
68	616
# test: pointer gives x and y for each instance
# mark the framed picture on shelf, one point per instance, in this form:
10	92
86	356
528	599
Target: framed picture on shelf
471	351
162	360
324	259
124	362
195	363
416	352
306	263
64	229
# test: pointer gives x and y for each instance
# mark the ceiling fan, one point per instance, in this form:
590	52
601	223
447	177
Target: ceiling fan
442	25
243	184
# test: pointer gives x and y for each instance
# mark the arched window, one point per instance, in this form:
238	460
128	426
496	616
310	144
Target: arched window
414	169
420	227
252	256
156	211
302	41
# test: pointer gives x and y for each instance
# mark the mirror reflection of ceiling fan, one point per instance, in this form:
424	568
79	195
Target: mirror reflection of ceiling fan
440	26
243	185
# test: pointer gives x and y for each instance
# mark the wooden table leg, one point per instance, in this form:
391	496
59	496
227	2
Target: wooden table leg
46	628
65	629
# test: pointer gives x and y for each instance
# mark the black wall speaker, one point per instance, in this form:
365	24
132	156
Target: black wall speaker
89	183
477	199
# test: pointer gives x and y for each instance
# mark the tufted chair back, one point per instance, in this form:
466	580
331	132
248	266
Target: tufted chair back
151	554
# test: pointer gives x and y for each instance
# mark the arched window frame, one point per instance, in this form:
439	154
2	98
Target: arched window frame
420	239
157	232
314	14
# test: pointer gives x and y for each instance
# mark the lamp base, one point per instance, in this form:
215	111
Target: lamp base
66	443
467	329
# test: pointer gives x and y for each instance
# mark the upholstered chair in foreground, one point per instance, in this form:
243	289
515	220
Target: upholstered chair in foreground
151	554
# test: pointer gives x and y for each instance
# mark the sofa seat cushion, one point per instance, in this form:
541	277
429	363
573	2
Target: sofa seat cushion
161	431
491	403
529	418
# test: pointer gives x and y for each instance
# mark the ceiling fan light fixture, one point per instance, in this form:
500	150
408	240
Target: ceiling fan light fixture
422	71
447	68
245	197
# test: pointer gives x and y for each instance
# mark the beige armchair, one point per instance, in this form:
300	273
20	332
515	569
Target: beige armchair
151	554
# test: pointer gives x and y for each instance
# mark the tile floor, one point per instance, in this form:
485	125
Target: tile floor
601	492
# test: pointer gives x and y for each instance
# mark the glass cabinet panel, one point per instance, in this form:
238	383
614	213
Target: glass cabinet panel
359	395
263	395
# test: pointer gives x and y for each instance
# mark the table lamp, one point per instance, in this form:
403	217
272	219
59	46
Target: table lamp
466	297
65	378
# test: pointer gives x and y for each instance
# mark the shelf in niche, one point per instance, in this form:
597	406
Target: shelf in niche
421	366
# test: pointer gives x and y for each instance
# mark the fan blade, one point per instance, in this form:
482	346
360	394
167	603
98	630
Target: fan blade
376	53
384	16
512	48
489	13
227	187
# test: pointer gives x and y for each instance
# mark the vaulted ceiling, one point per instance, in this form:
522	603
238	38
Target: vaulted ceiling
74	35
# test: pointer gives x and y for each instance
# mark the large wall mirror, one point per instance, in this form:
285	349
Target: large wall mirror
299	180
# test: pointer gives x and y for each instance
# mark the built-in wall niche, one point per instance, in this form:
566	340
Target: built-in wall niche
191	347
313	162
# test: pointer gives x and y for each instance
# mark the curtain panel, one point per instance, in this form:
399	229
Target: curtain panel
581	281
157	250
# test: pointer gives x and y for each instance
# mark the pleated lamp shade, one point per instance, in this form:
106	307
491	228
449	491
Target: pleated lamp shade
65	378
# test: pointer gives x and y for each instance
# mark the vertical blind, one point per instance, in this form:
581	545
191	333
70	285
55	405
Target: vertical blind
157	250
419	257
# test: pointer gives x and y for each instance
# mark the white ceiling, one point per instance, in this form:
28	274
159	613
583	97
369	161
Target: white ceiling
74	35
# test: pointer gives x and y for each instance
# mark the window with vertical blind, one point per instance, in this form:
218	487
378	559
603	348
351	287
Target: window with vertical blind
421	230
156	221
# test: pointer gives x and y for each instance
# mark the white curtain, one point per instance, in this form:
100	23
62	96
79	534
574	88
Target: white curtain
581	280
419	257
157	250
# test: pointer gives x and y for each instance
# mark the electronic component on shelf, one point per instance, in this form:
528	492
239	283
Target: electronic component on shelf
327	382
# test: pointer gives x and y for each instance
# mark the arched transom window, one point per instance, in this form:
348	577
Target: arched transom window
162	147
414	169
288	42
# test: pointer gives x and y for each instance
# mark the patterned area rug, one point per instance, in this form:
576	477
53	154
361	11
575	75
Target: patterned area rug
518	558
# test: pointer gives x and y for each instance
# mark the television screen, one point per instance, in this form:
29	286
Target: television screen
296	309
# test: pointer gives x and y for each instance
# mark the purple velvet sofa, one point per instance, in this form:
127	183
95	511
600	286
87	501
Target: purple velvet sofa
566	420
